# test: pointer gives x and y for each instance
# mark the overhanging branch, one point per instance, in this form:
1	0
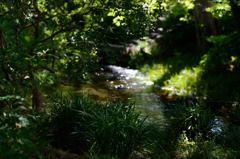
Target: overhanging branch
56	33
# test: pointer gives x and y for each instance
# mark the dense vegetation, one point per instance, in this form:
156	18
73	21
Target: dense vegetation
194	57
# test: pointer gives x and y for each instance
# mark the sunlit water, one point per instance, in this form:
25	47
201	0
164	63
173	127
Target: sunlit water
126	85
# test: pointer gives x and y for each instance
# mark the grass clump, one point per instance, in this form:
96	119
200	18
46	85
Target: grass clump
190	118
80	124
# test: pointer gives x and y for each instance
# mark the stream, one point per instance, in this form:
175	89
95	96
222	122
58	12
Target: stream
124	84
127	85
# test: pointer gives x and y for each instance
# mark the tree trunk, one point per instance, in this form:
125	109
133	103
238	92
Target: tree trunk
204	22
37	95
236	12
38	99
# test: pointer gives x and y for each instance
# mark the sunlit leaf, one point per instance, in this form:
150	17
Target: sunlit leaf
233	58
27	38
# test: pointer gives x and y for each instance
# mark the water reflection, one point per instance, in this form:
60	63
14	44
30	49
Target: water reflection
127	85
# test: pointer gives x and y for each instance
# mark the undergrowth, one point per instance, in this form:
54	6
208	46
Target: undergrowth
196	132
82	125
20	136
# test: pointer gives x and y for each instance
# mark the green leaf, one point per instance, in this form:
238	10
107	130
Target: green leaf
6	25
233	58
27	38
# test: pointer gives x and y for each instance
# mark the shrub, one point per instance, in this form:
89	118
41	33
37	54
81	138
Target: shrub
221	64
19	137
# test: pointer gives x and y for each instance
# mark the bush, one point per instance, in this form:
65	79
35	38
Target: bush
80	124
220	77
19	138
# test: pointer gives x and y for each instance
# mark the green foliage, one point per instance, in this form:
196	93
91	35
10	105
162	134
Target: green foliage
230	134
224	53
178	74
221	67
190	118
201	149
144	52
66	36
79	66
195	133
137	58
178	28
214	74
19	135
221	10
156	71
78	123
184	83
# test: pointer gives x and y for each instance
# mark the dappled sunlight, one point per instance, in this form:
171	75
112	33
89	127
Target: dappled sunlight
156	71
184	83
120	79
181	83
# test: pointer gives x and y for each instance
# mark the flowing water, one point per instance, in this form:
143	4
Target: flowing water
126	85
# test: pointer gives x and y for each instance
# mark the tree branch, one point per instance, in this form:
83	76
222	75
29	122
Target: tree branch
36	7
22	30
36	26
24	10
1	40
53	52
5	71
26	13
56	33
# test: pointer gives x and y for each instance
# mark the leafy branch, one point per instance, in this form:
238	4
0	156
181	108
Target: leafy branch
50	70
